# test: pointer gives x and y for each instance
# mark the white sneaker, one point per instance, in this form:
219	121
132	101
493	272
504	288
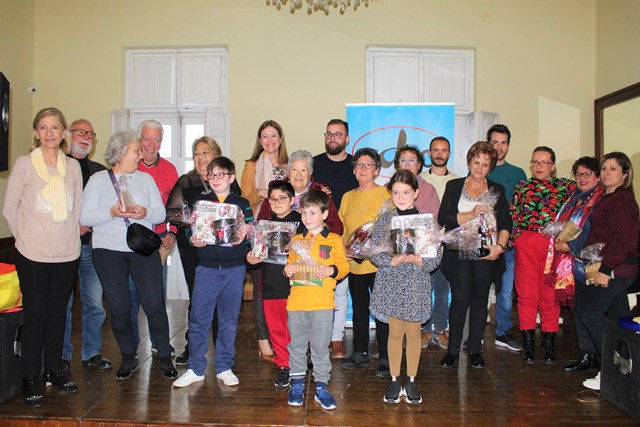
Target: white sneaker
187	379
228	377
593	383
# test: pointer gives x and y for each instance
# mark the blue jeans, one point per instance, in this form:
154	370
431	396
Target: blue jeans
135	306
93	313
220	291
440	312
504	300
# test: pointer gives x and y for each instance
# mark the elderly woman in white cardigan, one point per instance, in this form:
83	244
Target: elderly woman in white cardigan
114	261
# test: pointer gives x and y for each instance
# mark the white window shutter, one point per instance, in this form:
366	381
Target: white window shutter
217	124
121	120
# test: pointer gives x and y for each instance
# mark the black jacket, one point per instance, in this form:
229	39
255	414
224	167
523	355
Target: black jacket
274	284
448	218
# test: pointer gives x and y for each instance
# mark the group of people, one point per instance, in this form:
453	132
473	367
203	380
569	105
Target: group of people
70	215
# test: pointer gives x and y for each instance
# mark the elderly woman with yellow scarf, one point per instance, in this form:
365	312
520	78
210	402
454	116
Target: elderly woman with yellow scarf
42	209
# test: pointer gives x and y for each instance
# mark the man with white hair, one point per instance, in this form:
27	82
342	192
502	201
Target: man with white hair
165	175
83	139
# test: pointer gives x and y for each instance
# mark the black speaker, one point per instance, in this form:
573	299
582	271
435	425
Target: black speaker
10	350
620	368
4	123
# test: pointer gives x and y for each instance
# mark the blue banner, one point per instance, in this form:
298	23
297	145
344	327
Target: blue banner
387	127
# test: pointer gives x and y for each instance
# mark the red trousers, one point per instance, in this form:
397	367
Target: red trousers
533	293
275	313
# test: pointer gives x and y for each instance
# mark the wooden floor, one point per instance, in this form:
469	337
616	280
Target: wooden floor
507	392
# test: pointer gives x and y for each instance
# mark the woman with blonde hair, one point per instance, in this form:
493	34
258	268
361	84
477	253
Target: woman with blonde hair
187	189
42	209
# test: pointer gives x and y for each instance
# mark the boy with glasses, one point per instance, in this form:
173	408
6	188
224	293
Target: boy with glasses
275	286
218	285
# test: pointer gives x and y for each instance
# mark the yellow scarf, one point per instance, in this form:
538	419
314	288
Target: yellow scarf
55	192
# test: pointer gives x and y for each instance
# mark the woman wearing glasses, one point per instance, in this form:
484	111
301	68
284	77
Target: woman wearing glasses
568	270
359	206
536	202
300	168
187	190
411	159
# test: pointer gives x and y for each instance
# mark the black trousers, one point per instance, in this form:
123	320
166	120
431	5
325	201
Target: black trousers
46	288
360	287
259	322
592	302
114	268
470	284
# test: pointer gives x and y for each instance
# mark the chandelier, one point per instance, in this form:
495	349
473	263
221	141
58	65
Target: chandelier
319	5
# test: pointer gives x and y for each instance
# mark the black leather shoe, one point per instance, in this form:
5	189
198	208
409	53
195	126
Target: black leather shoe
357	358
587	361
476	360
449	360
57	378
31	394
98	362
183	359
168	370
129	364
382	371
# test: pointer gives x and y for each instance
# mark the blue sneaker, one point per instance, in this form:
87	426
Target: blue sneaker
324	398
296	394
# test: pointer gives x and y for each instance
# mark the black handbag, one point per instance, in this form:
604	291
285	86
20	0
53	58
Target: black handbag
140	239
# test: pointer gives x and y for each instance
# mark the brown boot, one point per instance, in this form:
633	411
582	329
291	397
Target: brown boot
337	350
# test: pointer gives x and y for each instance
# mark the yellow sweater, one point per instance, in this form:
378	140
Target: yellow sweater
358	208
327	249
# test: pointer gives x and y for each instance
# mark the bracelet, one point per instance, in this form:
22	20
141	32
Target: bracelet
502	246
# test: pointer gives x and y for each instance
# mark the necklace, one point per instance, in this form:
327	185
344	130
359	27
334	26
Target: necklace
474	192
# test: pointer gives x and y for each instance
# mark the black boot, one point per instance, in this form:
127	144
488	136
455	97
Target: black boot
168	369
58	379
548	347
586	361
183	358
31	394
129	364
528	351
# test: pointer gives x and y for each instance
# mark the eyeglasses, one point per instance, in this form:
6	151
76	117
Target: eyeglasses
584	175
82	132
281	199
409	161
330	135
541	163
363	165
218	175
